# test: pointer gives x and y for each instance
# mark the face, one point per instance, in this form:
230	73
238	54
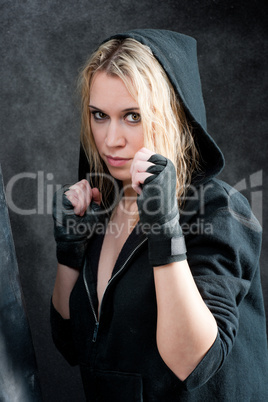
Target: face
115	124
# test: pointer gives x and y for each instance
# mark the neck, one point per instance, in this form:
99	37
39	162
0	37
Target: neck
129	200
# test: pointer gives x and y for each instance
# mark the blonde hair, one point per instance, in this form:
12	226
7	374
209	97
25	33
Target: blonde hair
166	129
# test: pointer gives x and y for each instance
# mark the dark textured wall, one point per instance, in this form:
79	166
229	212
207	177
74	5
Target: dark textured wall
43	45
19	377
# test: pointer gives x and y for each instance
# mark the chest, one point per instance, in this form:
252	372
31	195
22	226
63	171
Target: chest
115	237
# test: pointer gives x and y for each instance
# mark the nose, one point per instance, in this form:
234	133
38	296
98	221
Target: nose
115	135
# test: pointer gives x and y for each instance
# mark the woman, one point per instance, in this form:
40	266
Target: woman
158	284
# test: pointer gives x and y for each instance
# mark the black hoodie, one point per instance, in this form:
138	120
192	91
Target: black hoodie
118	354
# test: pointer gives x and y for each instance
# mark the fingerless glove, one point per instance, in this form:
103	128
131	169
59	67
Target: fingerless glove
159	213
72	231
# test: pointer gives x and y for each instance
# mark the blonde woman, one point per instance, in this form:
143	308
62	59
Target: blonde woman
158	284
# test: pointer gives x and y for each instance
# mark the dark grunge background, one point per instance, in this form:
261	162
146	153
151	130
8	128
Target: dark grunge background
43	45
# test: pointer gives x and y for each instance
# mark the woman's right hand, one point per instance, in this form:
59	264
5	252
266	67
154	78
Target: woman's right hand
81	194
76	212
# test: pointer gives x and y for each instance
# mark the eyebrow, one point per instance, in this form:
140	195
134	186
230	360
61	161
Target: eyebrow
125	110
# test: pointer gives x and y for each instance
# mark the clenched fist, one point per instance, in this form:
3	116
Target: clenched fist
154	179
76	211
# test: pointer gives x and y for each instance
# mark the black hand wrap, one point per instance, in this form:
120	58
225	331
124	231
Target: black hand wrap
159	213
71	231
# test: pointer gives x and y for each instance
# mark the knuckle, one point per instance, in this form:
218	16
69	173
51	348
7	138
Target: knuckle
83	184
138	155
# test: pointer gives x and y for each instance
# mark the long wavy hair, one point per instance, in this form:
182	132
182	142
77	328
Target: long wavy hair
166	128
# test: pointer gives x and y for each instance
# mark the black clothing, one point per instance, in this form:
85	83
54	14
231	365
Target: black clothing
117	353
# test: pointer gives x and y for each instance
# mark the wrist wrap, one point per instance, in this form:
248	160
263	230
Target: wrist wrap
159	213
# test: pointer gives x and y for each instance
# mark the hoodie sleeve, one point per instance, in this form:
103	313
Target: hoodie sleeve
62	335
223	247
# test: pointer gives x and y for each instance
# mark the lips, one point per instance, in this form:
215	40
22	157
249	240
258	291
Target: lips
116	161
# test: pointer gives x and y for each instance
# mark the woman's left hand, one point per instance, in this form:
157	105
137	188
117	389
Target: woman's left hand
158	206
138	168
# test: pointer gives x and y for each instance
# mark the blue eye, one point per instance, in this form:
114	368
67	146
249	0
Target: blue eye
133	117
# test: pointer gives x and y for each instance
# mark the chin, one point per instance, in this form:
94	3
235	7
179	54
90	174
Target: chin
122	176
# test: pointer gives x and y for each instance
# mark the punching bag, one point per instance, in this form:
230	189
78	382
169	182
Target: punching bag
18	370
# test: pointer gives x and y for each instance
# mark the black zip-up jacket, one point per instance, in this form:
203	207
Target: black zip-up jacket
117	352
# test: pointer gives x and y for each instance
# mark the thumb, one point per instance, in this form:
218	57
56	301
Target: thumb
96	195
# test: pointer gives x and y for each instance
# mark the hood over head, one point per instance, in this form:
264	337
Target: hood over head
178	56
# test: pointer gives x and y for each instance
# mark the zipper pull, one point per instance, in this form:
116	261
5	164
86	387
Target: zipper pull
95	331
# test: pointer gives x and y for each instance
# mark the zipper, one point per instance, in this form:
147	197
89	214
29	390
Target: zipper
97	321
